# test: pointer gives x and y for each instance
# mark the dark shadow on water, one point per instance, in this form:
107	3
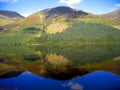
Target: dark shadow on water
10	73
67	74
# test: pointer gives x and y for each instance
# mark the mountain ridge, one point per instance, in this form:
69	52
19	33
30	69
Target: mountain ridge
11	14
62	10
114	15
67	14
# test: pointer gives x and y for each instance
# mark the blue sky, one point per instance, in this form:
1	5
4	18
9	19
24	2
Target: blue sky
27	7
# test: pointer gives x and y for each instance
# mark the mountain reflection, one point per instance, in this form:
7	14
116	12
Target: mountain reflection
61	63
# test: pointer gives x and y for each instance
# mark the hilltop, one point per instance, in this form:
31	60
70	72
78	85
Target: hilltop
63	11
11	14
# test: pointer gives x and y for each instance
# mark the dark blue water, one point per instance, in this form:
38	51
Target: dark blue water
100	80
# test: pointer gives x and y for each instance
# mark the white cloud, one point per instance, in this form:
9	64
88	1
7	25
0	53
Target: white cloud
73	86
118	5
8	0
70	2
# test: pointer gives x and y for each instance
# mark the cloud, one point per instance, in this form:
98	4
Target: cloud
70	2
8	0
73	86
118	5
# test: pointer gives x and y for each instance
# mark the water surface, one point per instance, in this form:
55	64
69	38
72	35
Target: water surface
60	67
100	80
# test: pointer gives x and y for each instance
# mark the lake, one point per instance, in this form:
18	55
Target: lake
84	67
100	80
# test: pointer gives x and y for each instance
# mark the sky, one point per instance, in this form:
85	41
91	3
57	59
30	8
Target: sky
28	7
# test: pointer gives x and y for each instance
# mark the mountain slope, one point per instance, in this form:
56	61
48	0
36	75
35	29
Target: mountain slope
58	19
58	13
66	14
11	14
63	11
7	17
81	32
115	15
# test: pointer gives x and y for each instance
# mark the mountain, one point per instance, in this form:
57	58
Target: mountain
8	17
62	11
115	15
66	14
10	14
62	25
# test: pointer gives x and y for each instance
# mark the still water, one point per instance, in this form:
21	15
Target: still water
86	67
100	80
77	55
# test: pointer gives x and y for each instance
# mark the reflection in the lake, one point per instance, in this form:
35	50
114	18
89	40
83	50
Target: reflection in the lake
61	63
83	54
56	59
94	81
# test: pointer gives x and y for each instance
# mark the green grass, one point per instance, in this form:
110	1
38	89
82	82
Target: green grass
83	33
77	33
15	40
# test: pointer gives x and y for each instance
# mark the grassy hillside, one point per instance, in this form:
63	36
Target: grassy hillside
8	17
83	32
64	33
98	19
5	20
